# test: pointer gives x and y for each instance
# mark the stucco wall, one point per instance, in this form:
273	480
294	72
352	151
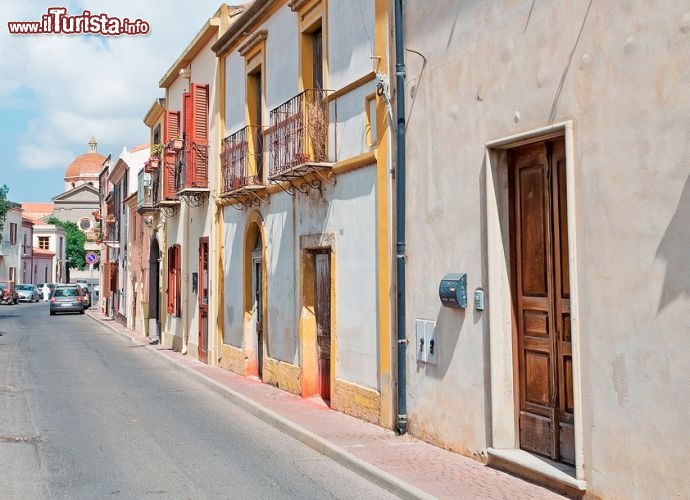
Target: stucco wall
282	64
347	112
351	41
283	280
235	93
619	71
233	308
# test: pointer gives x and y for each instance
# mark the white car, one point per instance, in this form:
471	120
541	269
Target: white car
28	293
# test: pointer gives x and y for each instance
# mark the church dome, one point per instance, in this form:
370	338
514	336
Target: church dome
85	165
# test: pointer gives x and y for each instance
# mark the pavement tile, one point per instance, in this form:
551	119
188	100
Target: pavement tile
417	468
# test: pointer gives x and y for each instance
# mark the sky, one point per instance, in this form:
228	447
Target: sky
59	90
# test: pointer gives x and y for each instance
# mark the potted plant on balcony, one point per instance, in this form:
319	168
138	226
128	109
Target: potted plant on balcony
154	161
177	143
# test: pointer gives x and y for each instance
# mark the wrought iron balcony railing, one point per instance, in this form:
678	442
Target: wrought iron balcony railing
299	132
192	166
242	159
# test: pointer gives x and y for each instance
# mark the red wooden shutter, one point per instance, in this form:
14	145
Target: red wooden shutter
172	125
171	279
188	117
178	283
198	134
172	130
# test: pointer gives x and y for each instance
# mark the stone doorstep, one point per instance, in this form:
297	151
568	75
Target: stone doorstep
559	477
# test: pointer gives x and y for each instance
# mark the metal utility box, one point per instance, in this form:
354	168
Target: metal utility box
453	290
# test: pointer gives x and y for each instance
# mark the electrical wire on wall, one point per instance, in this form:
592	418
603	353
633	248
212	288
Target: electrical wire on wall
416	82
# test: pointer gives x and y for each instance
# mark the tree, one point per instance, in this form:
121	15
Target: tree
5	206
75	242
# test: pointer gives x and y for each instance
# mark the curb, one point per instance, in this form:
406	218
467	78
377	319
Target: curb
378	476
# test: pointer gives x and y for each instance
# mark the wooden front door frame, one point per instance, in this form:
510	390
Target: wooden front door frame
324	320
203	284
504	436
540	291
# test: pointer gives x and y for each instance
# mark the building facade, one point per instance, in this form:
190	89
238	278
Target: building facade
543	159
50	239
304	238
11	245
26	274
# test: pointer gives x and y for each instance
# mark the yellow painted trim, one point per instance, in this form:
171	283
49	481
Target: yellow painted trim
356	400
384	230
370	141
254	43
352	86
233	359
240	37
282	375
217	258
362	160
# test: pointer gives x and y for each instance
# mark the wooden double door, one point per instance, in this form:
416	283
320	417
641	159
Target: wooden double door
541	292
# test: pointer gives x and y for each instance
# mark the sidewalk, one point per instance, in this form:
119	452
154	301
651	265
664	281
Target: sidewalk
402	465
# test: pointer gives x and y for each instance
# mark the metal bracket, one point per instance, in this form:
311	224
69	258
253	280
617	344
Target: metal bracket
168	211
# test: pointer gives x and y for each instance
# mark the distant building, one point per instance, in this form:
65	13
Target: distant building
10	249
80	198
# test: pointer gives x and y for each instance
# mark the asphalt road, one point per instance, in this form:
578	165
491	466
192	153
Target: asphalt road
85	414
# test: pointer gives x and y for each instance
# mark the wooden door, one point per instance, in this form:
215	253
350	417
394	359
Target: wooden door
323	322
542	299
257	290
203	299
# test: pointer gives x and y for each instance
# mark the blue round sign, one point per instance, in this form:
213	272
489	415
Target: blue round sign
91	258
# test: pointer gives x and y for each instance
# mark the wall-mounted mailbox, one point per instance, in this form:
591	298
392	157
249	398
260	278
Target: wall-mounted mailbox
453	290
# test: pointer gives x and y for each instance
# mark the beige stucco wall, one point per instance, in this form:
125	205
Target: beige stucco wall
619	72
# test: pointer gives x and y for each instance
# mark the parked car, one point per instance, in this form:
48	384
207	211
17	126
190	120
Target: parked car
8	293
67	298
28	293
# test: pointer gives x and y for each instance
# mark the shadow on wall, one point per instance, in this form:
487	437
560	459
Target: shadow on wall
448	328
674	248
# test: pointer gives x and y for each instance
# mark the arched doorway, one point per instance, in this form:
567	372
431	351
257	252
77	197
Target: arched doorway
154	291
254	299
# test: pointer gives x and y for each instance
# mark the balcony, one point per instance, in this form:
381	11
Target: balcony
242	166
191	179
147	194
298	139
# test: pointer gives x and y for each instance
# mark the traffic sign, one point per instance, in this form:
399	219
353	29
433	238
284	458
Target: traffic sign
91	258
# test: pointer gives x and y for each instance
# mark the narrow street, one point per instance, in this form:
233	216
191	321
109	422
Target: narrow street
84	414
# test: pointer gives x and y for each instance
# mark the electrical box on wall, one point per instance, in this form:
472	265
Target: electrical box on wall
426	341
453	290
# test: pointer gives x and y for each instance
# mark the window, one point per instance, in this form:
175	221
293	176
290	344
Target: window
13	233
157	134
255	113
172	131
317	59
174	280
85	224
195	116
44	242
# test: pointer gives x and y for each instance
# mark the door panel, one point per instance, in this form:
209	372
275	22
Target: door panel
203	299
258	308
323	322
541	283
562	304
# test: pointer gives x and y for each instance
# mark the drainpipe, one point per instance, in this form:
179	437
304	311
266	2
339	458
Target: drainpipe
400	216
